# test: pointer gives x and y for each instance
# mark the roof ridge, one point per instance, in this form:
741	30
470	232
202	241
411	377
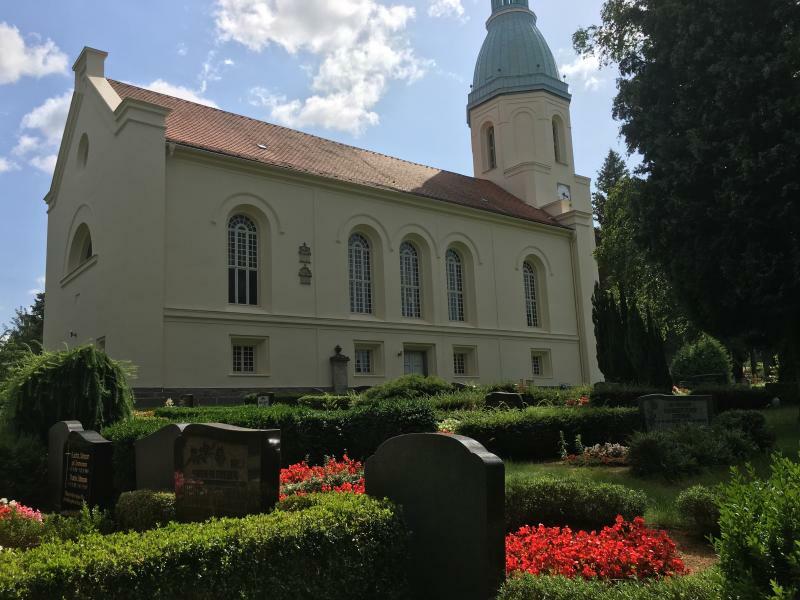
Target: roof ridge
311	135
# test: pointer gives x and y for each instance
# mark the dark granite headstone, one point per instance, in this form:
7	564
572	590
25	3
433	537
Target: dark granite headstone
187	401
155	458
510	399
56	440
452	491
87	471
226	471
661	411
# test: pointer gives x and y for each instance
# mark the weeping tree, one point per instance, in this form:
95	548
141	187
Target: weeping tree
81	384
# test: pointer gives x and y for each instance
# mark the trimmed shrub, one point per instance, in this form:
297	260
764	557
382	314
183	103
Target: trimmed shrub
759	531
533	433
23	533
728	397
577	503
340	546
124	434
326	401
688	449
703	586
23	475
81	384
468	399
752	423
616	394
698	507
141	510
703	361
409	387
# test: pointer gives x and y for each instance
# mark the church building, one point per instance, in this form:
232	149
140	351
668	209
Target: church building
220	254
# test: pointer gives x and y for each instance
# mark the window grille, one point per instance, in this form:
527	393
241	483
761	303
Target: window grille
360	270
242	261
363	364
459	363
490	147
455	285
410	292
537	367
244	359
531	305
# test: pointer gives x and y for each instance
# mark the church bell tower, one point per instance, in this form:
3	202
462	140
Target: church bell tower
518	111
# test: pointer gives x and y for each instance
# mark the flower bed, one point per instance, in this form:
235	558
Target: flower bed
346	475
600	455
627	550
10	509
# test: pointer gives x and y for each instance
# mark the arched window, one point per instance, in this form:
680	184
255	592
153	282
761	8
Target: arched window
242	261
360	270
455	285
491	153
558	140
81	248
410	292
531	301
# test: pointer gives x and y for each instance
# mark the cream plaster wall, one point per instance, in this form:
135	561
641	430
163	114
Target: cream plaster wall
156	289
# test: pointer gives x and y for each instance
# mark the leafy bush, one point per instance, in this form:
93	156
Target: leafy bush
23	475
23	532
124	435
728	397
141	510
752	422
467	399
81	384
339	546
759	531
706	585
326	401
533	433
616	394
703	360
688	449
580	504
20	525
698	507
408	387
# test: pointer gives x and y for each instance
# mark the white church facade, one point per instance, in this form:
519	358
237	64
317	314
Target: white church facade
221	254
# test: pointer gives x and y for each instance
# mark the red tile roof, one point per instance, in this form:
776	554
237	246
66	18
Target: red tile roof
200	126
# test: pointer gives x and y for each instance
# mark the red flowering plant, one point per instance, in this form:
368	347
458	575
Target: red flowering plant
627	550
11	509
346	475
20	525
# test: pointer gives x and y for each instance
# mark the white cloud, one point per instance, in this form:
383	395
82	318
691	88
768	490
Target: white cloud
7	165
584	69
360	43
41	131
39	286
45	163
179	91
17	59
182	49
446	8
211	70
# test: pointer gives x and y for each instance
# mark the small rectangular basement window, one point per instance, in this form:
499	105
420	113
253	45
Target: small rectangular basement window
364	361
244	358
464	363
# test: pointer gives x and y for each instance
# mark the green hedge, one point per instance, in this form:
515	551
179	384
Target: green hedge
341	546
730	397
141	510
706	585
124	434
615	395
23	475
316	434
409	387
326	401
533	433
580	504
698	507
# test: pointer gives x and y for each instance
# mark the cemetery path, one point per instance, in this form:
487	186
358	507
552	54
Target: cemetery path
697	554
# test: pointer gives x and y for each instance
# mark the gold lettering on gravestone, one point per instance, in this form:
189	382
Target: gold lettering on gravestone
76	483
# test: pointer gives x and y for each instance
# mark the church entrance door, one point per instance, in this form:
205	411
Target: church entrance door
415	363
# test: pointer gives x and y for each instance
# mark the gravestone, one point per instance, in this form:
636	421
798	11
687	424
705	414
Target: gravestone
452	491
187	401
265	400
155	458
87	471
339	371
56	440
661	411
510	399
225	471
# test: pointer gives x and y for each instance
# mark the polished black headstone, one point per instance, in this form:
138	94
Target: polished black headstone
452	493
56	440
225	471
155	458
510	399
87	471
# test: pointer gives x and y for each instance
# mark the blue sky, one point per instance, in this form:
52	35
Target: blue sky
388	75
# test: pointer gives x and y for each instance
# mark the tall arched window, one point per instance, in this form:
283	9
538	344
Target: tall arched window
531	304
558	140
455	285
242	261
360	270
81	248
410	292
491	153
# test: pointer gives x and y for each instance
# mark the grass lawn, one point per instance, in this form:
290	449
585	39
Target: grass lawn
662	494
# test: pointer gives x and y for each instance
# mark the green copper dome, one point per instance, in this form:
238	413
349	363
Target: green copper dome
514	57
